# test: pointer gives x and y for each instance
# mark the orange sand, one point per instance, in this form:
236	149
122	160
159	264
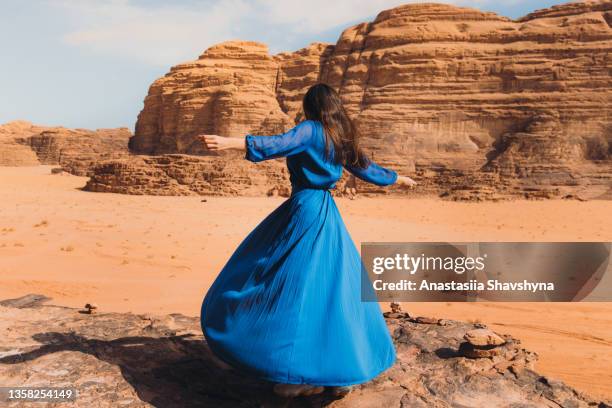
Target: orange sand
160	254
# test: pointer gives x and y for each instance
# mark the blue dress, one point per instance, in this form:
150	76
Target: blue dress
287	305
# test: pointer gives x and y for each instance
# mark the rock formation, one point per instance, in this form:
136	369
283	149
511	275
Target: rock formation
12	152
459	86
115	359
178	174
229	90
76	150
474	104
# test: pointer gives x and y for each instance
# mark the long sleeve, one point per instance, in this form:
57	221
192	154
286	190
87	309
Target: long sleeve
374	174
296	140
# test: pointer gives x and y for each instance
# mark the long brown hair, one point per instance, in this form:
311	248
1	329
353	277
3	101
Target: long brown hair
322	103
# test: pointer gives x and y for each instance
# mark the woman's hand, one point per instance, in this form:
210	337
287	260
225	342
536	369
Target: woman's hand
405	181
216	143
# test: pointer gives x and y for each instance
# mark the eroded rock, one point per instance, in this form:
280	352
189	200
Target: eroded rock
476	105
180	175
483	337
122	359
75	150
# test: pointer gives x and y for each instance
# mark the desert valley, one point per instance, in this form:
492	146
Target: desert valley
505	125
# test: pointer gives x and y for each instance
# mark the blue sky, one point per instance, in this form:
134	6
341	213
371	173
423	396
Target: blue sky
89	63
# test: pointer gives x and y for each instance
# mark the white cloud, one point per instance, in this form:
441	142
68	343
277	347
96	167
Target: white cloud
314	16
158	35
176	31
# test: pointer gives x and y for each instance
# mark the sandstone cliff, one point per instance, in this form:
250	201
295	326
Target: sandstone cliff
229	90
12	151
128	360
75	150
475	104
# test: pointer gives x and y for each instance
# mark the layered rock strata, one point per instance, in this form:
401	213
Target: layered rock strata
75	150
229	90
12	151
475	105
178	174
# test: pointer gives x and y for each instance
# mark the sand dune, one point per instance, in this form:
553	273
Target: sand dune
160	254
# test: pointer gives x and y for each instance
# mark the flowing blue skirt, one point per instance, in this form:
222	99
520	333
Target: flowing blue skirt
287	306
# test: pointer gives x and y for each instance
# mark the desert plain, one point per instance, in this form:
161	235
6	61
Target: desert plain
158	255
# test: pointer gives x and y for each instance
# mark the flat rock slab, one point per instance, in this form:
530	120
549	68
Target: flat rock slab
128	360
25	301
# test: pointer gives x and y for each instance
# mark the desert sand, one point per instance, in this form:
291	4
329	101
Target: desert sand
148	254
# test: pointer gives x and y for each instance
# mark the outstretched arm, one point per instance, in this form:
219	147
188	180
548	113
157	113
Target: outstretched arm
215	143
375	174
260	148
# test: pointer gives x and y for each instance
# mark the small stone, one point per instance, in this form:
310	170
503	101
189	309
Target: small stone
90	308
426	320
483	337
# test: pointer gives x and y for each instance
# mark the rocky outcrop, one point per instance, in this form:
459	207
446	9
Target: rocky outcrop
78	150
12	152
75	150
115	359
180	175
176	174
229	90
499	108
456	85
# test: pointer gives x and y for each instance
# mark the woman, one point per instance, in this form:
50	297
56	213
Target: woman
287	305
